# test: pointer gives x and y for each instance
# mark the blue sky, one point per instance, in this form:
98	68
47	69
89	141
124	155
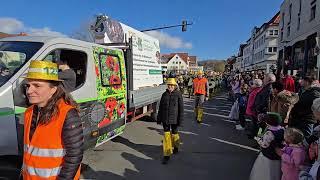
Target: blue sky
219	25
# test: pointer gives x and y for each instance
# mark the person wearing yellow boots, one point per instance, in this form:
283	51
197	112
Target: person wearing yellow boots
171	116
201	93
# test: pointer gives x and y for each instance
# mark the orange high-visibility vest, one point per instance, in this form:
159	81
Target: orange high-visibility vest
43	155
199	86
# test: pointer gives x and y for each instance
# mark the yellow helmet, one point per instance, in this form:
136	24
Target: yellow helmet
200	72
171	81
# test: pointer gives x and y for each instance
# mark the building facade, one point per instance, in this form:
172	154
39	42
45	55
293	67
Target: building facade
299	37
248	56
260	51
177	64
180	63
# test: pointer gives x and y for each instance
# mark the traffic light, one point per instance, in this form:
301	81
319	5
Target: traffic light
184	26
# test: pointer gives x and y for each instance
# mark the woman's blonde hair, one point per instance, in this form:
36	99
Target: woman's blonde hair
294	135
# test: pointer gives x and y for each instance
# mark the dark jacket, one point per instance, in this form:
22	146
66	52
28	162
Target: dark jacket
72	135
69	79
262	100
302	109
171	108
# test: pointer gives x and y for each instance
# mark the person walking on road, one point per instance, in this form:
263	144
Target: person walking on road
201	92
53	134
171	116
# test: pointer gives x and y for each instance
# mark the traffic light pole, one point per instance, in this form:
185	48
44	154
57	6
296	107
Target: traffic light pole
183	25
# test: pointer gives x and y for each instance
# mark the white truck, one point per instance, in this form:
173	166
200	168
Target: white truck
116	81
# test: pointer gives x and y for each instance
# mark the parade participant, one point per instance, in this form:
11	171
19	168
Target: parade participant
201	92
67	75
53	135
171	116
292	155
190	82
268	165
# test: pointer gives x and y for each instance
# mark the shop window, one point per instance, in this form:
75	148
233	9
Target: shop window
110	70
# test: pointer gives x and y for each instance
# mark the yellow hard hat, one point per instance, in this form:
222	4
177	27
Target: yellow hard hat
200	72
171	81
43	70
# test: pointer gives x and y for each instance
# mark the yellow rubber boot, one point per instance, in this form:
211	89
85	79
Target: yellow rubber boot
196	112
167	144
200	115
176	143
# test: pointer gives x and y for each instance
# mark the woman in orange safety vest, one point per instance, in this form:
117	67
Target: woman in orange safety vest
53	135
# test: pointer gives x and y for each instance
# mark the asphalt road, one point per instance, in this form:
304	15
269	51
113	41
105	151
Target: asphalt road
212	150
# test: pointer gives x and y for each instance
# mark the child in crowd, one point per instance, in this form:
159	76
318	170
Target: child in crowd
268	165
242	98
292	155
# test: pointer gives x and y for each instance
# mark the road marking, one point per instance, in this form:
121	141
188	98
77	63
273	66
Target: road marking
206	124
220	98
235	144
217	115
210	108
187	132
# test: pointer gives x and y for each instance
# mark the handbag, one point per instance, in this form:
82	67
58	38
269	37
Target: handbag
234	112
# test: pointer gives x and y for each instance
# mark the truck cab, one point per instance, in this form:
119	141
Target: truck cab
100	86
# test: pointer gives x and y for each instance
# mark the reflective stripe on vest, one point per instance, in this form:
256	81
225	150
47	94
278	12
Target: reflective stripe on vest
42	172
44	152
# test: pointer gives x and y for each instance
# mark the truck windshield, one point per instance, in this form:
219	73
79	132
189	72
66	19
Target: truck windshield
13	55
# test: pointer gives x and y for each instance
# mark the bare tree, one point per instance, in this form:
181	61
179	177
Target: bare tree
83	32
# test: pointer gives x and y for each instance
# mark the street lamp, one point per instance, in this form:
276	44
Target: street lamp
183	25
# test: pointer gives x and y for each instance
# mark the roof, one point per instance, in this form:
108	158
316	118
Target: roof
275	20
46	39
52	40
165	58
183	56
192	59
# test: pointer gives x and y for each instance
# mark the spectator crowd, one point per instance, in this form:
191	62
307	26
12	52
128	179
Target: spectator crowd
281	115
